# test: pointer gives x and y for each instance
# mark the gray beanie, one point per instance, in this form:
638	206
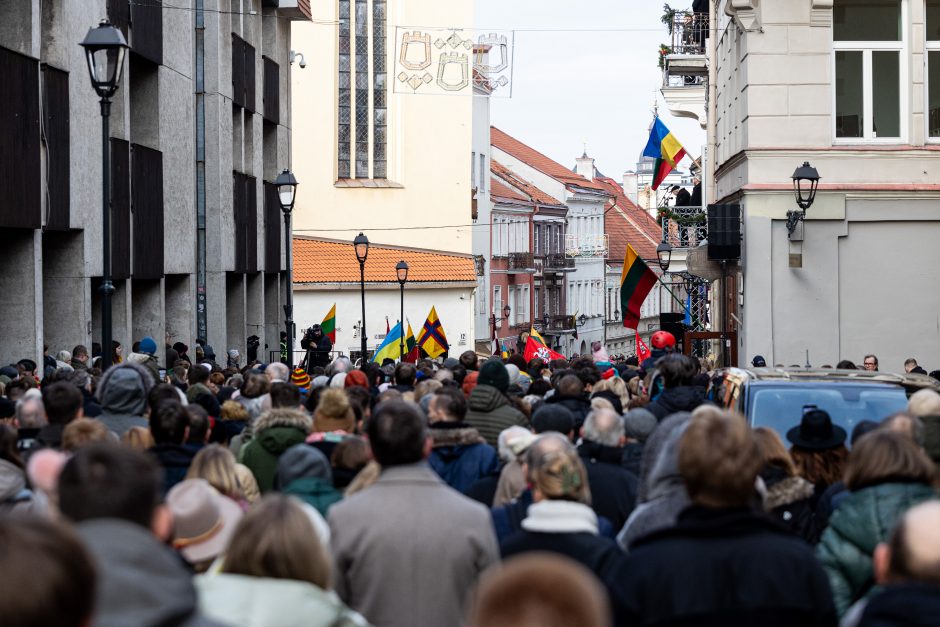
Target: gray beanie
638	423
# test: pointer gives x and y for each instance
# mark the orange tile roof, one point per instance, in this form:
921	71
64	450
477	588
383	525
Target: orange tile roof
625	223
330	261
539	161
516	181
498	189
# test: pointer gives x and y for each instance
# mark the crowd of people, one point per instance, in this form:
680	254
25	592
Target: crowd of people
481	492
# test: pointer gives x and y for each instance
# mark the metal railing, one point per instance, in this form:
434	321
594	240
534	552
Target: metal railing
689	31
558	262
521	261
683	227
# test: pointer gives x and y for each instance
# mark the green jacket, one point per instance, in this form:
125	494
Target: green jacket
315	492
864	519
489	412
275	431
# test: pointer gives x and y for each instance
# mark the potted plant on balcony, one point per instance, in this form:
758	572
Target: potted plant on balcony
663	51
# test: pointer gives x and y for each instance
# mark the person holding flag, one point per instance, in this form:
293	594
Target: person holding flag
318	341
535	346
432	338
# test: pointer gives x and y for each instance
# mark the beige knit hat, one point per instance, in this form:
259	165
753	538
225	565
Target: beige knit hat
334	412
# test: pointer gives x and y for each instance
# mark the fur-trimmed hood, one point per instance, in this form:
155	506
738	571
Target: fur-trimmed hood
283	417
786	491
454	434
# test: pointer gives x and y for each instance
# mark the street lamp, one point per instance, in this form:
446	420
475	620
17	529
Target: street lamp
401	269
506	311
286	186
805	182
664	254
361	245
582	319
104	50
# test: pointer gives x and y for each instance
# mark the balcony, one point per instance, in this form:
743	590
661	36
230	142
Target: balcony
684	227
558	325
685	66
521	263
557	263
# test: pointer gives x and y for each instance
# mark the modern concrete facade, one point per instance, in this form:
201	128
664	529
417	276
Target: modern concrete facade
182	122
846	86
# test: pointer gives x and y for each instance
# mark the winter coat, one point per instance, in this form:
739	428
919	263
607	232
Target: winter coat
666	495
720	567
90	408
579	406
242	601
511	484
409	549
141	582
305	472
565	528
122	393
50	436
613	488
274	432
175	459
459	455
903	605
489	412
673	400
632	458
15	495
789	500
864	519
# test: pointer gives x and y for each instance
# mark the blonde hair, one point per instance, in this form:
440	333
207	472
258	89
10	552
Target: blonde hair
428	386
138	438
216	464
616	385
924	403
599	402
277	540
82	431
233	410
557	473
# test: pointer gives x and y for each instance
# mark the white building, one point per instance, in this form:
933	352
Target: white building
585	239
327	272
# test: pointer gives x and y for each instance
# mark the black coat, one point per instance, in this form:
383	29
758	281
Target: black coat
613	487
175	460
906	605
318	350
580	407
632	458
719	568
683	198
672	400
597	554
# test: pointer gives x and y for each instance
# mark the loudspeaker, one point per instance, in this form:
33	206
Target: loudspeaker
724	232
672	322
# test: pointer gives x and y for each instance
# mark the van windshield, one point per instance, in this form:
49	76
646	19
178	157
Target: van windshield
780	407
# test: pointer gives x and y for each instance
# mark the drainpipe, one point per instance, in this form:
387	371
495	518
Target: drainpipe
202	331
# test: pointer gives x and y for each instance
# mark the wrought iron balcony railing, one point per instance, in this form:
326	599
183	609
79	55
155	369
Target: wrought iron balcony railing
521	262
558	262
683	227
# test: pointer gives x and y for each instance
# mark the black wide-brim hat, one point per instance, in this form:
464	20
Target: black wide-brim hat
816	432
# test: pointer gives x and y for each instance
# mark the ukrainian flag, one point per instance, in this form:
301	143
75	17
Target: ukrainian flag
390	348
432	338
665	148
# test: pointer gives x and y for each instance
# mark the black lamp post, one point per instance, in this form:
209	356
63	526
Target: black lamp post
401	269
805	182
506	311
361	244
664	254
286	191
104	50
582	319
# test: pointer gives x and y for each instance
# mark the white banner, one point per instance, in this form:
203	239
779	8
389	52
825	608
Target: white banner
444	61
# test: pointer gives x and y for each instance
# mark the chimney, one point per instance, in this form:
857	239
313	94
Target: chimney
585	166
630	186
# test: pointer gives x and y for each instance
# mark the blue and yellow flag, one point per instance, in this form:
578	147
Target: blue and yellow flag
665	148
432	338
391	346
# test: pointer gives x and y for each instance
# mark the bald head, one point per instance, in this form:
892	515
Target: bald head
905	424
603	426
912	555
30	413
277	371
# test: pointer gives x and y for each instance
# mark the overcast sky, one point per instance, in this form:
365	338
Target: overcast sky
594	87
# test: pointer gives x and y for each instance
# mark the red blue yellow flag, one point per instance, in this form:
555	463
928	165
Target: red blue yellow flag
665	148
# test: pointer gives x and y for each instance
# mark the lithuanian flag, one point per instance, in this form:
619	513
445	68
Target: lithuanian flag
535	336
432	338
411	346
636	281
329	324
665	148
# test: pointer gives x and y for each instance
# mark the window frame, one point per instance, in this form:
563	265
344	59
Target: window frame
929	46
902	47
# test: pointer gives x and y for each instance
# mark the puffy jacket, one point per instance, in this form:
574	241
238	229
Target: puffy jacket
489	411
790	501
275	431
864	519
674	400
460	456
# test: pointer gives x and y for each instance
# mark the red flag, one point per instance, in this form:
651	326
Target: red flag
642	350
388	329
534	349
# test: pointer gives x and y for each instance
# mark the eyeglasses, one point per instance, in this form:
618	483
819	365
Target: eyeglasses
870	363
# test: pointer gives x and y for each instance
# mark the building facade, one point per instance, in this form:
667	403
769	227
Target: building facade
853	87
199	126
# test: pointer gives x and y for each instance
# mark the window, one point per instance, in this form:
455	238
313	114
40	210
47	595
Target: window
483	170
870	67
497	303
362	125
481	295
473	169
933	69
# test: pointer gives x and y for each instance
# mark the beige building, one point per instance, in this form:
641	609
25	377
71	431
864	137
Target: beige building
853	87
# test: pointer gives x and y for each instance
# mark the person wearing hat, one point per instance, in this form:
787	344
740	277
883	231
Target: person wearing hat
146	356
638	424
759	361
203	522
301	379
488	408
333	419
304	471
818	450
